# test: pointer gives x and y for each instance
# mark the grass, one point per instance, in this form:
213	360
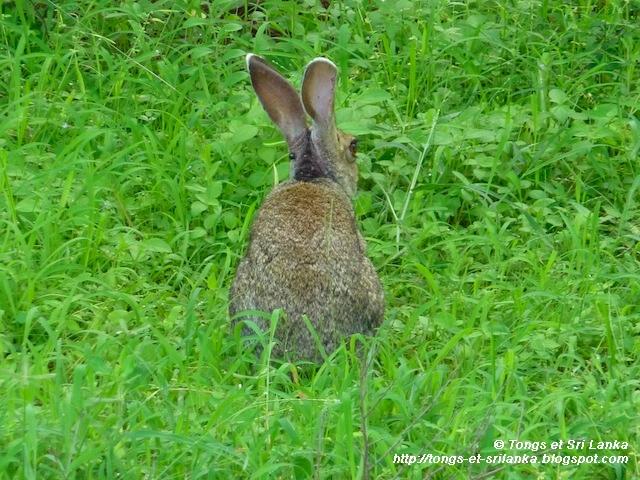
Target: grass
499	195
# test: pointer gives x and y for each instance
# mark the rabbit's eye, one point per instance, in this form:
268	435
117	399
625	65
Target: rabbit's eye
292	156
353	147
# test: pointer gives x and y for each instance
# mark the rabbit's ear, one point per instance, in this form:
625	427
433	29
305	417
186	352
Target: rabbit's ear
318	91
278	97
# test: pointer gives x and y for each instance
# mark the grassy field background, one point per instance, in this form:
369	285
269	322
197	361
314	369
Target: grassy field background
499	195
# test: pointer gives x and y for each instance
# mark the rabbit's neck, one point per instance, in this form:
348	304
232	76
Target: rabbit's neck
308	162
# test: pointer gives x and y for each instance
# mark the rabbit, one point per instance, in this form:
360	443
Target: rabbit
306	254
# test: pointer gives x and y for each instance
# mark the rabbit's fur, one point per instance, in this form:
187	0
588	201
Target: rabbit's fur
306	255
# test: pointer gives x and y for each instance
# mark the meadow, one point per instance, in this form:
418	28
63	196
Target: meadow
499	195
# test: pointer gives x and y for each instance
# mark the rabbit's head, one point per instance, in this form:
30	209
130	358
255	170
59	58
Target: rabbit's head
319	151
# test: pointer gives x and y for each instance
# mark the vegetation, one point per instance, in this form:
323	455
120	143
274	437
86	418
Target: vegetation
499	195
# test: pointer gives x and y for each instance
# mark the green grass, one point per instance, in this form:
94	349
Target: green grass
499	195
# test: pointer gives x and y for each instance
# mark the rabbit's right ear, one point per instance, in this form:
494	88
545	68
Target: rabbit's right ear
278	97
318	92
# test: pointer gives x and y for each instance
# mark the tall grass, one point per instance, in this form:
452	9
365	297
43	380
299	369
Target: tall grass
499	195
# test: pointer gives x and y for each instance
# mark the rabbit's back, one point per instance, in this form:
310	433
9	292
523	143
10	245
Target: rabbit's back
307	257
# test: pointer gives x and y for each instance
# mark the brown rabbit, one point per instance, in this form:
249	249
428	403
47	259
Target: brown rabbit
306	255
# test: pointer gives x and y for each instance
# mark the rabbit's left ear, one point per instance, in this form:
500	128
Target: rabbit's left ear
318	92
278	97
